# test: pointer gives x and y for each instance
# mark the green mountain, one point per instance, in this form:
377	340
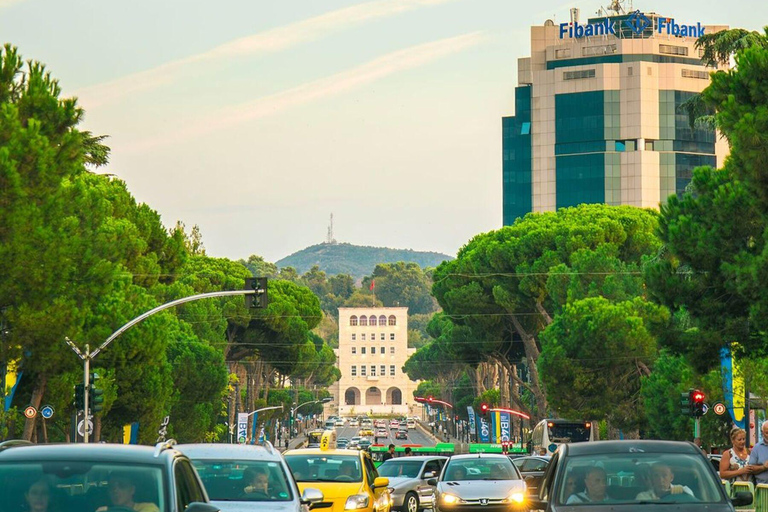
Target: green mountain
356	260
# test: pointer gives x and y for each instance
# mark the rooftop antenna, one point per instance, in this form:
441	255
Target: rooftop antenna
329	239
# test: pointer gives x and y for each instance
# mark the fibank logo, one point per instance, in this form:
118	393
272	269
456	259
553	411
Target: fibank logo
637	22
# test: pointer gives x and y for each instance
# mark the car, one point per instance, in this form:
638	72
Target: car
394	424
410	424
532	470
401	434
354	423
365	432
83	476
382	432
408	481
366	423
365	443
228	472
380	423
479	483
347	479
635	475
339	422
342	441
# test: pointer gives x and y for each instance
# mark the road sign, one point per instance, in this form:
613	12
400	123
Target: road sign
704	408
82	424
242	427
719	409
47	412
30	412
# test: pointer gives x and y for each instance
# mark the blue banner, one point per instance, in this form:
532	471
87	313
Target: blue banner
471	414
733	387
505	422
484	431
253	427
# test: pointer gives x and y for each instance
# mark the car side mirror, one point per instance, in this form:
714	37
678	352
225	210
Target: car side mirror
380	481
432	482
429	474
197	506
742	498
311	497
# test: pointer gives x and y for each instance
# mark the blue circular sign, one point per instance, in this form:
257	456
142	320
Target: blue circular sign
552	447
47	412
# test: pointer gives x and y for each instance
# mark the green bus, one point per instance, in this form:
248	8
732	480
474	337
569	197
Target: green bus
378	450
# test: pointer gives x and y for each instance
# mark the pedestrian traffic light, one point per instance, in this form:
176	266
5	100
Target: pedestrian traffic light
79	397
697	403
258	299
484	408
95	395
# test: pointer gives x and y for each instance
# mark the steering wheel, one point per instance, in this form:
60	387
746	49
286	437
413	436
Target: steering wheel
344	478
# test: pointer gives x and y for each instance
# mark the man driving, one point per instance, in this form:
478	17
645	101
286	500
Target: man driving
662	487
121	493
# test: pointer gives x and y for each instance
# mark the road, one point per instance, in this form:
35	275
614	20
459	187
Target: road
415	436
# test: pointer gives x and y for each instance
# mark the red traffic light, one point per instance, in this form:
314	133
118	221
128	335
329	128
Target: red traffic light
484	408
430	398
697	396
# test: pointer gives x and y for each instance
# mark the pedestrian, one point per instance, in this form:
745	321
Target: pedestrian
758	459
734	461
408	451
389	454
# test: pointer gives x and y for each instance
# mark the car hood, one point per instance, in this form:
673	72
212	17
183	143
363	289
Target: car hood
476	489
261	506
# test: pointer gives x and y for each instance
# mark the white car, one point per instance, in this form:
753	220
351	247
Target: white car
339	422
394	424
382	432
354	423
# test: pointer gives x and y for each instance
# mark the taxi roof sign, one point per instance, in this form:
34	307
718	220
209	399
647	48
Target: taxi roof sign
328	441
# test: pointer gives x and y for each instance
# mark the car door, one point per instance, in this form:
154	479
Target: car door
533	470
187	486
371	474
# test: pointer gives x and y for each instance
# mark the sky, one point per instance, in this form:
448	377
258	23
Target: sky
256	120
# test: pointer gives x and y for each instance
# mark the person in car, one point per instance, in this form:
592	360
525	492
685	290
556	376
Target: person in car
38	496
596	483
346	471
121	493
662	487
256	480
458	473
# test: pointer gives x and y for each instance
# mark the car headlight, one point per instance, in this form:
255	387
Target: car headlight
515	497
356	501
450	499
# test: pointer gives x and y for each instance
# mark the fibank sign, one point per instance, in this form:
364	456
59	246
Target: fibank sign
637	22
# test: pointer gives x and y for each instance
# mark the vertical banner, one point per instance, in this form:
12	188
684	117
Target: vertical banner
733	387
242	427
253	428
495	427
505	422
471	414
485	430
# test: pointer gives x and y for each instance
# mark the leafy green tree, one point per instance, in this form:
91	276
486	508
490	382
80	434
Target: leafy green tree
259	267
660	392
402	284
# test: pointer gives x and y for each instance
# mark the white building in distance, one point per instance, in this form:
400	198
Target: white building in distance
373	347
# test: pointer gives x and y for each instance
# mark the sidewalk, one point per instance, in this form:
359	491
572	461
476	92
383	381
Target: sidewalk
296	442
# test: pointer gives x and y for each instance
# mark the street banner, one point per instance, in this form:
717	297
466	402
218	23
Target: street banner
505	424
471	414
494	427
484	432
733	387
242	427
253	427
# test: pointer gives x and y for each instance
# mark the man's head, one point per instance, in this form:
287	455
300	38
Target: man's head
596	482
459	473
764	430
256	475
392	448
661	478
121	489
408	451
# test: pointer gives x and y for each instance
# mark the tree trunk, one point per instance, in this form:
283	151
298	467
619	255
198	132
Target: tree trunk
37	398
96	429
532	356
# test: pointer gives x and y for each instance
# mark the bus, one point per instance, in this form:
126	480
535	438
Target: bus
378	450
316	438
550	433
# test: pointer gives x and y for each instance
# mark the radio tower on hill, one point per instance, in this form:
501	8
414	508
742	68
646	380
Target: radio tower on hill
329	238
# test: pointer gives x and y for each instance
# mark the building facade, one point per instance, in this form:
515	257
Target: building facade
597	117
373	347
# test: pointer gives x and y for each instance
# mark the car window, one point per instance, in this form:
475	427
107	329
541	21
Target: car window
325	468
433	465
244	480
491	468
187	488
533	465
81	485
400	467
638	477
370	469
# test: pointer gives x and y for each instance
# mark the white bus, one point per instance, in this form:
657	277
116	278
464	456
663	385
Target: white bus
548	434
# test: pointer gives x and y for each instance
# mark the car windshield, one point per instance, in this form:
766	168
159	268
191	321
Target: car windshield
399	467
80	485
496	468
638	477
243	480
325	468
569	433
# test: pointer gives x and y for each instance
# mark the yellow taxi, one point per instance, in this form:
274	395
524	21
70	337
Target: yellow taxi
347	478
365	432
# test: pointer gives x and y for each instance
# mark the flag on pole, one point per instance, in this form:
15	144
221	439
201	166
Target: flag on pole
373	284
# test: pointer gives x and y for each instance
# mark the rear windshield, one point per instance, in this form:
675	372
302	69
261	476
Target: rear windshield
80	486
321	468
638	478
244	480
569	433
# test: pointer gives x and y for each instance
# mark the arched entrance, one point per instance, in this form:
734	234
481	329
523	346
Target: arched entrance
394	396
373	396
352	396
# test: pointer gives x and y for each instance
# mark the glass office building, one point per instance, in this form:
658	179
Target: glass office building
597	117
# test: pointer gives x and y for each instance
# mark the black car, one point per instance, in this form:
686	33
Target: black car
87	477
401	434
659	476
532	469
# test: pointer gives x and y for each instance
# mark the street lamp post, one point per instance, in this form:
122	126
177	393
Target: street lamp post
256	412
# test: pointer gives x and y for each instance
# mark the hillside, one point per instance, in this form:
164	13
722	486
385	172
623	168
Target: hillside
356	260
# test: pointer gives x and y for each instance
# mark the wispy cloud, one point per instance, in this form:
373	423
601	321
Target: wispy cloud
270	41
7	3
401	60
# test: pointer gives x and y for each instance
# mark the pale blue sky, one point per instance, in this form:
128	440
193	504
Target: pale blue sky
256	119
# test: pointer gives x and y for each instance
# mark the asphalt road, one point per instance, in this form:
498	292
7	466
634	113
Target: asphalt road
415	436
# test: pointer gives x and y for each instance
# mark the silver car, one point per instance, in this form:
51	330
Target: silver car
408	478
480	483
241	478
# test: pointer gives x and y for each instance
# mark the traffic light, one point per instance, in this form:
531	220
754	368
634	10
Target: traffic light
95	395
258	299
79	396
685	403
484	408
697	403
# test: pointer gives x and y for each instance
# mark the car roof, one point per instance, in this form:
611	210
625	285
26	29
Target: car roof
228	451
465	456
416	458
318	451
102	452
629	446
